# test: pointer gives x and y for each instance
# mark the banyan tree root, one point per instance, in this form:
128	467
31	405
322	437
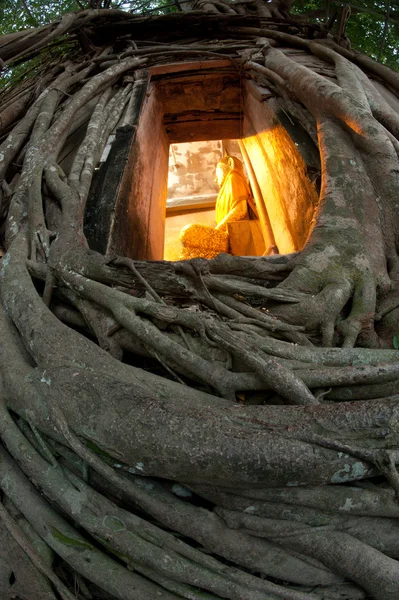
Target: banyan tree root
335	267
178	430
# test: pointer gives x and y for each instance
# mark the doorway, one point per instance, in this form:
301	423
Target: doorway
209	102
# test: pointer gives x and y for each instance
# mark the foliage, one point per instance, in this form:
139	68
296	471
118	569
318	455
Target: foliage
365	27
16	15
32	67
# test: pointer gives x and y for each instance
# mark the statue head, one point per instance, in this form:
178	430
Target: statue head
224	166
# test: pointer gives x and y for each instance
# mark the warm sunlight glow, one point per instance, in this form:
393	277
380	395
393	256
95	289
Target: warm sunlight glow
283	199
353	124
287	193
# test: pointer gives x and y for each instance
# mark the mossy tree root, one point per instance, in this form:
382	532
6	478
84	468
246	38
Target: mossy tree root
176	484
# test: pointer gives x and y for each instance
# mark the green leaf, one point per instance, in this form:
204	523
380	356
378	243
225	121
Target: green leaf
396	342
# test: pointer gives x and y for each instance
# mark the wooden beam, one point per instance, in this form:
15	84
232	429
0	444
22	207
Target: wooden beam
196	131
198	65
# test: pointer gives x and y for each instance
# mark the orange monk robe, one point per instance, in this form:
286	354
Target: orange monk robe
231	205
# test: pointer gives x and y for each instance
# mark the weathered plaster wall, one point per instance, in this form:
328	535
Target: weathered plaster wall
192	170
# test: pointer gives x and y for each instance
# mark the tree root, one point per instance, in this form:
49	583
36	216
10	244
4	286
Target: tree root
247	502
24	543
67	542
371	569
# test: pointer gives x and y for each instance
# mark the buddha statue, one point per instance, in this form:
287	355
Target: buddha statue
231	205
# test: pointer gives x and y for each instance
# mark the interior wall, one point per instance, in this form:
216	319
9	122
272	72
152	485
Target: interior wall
140	221
280	170
202	104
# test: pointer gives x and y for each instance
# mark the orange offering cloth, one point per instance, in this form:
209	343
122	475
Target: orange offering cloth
201	241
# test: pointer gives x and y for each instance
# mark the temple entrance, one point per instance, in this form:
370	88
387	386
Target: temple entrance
208	103
191	200
192	190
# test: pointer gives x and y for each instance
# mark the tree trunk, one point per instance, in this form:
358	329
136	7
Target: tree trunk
197	429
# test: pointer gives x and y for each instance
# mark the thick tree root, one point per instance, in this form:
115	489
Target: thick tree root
176	430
